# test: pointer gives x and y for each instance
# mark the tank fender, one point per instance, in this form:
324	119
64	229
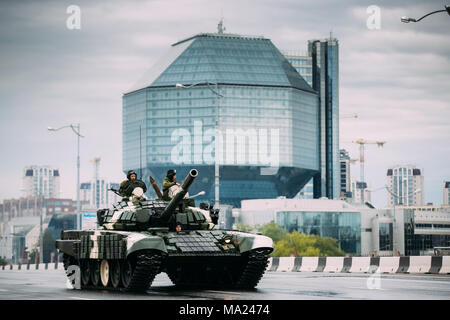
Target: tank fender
247	241
137	242
67	246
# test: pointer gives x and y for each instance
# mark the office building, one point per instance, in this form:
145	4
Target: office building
356	189
41	181
95	193
446	198
325	80
345	180
405	186
266	113
320	68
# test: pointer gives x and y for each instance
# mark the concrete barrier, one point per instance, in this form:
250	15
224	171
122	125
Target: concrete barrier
321	264
403	265
419	264
389	264
309	264
297	264
445	269
274	264
436	264
286	264
347	265
374	264
334	264
360	264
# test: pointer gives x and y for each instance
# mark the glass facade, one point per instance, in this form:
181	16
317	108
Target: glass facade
386	236
343	226
325	80
266	113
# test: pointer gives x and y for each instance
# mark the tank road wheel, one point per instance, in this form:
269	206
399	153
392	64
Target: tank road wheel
95	272
85	272
126	273
114	273
104	273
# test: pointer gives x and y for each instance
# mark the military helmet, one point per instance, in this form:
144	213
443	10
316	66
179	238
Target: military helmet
130	172
171	173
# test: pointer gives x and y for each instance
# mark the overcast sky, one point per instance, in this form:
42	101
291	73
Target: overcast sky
396	78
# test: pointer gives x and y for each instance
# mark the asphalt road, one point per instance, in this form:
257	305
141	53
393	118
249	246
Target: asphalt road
51	284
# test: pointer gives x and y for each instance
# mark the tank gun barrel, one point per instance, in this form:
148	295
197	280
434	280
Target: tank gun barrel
170	209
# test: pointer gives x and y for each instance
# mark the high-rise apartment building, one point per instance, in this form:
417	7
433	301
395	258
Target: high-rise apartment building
43	181
405	186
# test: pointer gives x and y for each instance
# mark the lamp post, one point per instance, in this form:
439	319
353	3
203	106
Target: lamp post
408	20
76	129
216	139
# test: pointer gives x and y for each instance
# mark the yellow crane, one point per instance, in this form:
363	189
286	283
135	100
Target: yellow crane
362	143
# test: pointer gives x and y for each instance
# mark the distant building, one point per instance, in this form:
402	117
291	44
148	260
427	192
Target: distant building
344	159
95	193
356	192
446	199
360	230
41	181
405	186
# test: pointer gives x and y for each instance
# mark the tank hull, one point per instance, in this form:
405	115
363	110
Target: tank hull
123	260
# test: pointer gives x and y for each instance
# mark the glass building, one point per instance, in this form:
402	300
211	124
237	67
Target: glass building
267	115
343	226
325	78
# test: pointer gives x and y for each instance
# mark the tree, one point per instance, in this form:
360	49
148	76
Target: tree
3	261
245	227
272	230
300	244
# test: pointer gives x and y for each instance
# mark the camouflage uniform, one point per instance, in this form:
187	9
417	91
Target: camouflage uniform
166	186
127	187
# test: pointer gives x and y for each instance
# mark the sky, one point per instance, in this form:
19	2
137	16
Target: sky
396	78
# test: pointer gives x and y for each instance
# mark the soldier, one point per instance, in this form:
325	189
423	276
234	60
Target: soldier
169	181
127	186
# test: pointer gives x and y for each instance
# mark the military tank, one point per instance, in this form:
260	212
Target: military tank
137	238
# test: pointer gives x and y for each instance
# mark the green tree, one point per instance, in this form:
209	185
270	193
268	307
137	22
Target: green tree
245	227
300	244
272	230
3	261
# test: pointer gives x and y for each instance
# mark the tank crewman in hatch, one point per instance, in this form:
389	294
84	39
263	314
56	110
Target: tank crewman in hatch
168	182
168	188
127	186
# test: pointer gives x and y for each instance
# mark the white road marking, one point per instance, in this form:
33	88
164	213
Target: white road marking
224	292
79	298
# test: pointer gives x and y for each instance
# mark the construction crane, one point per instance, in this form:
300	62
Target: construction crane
362	143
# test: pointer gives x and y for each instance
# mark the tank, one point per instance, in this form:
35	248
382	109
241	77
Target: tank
138	238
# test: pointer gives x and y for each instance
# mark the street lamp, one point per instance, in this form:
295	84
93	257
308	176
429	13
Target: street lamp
76	129
216	139
408	20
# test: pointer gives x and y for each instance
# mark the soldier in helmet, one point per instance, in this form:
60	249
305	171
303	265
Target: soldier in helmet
168	182
127	186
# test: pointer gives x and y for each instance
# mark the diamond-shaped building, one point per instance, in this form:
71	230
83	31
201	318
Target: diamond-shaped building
266	113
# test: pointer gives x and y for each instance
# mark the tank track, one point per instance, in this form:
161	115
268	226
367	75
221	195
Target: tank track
253	270
147	266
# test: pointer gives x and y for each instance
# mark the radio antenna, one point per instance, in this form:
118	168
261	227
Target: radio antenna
140	152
